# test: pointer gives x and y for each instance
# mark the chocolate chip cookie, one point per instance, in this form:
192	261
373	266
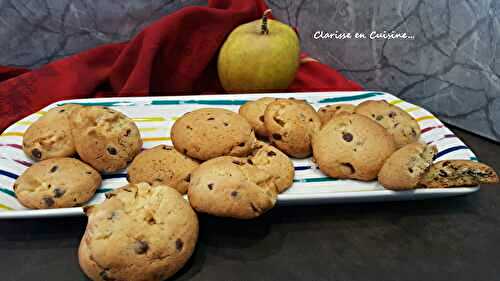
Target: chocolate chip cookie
253	112
211	132
275	162
291	125
401	125
162	165
404	168
106	138
352	146
456	173
139	233
326	113
56	183
50	136
231	187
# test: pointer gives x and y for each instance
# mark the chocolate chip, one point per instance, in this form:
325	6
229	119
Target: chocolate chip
127	133
238	162
112	150
226	124
261	118
36	153
188	178
179	244
347	137
279	121
446	163
189	127
166	147
413	132
53	169
210	186
151	221
373	115
234	193
443	173
322	110
337	107
104	275
89	173
141	247
48	201
310	120
276	136
58	192
271	153
379	117
249	161
395	125
61	111
410	170
349	166
254	208
158	180
185	151
392	114
210	119
242	144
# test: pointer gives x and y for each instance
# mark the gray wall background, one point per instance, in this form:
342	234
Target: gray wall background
451	67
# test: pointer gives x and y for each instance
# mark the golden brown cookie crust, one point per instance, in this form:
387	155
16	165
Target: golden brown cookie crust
140	233
162	165
212	132
57	183
291	125
401	125
327	112
107	139
352	146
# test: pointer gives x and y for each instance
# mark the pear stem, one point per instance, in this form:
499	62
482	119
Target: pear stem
264	29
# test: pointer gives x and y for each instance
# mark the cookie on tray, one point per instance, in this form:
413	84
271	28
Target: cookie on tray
401	125
253	112
456	173
291	125
404	168
139	233
162	165
57	183
50	136
352	146
231	187
105	138
275	162
212	132
326	113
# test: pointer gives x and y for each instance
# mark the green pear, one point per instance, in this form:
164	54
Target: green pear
259	56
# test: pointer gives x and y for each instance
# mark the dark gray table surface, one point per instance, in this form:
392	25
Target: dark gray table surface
442	239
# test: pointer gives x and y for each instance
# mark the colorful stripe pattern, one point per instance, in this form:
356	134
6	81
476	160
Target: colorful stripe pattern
154	129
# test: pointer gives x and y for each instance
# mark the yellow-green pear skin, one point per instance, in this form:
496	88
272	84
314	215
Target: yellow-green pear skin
253	61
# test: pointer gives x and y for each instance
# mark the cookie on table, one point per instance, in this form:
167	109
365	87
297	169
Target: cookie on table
326	113
231	187
162	165
401	125
139	233
275	162
211	132
352	146
291	125
105	138
57	183
456	173
404	168
253	112
50	136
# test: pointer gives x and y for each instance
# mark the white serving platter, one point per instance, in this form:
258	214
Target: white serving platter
155	116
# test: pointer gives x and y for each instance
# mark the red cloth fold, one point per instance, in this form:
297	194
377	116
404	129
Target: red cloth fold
175	55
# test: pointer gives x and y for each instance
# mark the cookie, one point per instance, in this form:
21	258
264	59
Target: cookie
231	187
456	173
275	162
50	136
352	146
404	168
253	112
401	125
211	132
107	139
139	233
162	165
56	183
327	112
291	125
